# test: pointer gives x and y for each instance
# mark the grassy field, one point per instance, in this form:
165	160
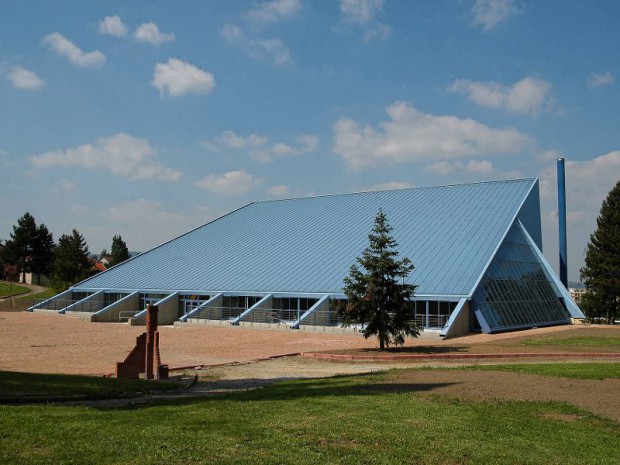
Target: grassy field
564	370
24	386
9	289
338	420
22	303
586	341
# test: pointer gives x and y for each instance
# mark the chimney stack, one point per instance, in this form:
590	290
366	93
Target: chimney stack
562	221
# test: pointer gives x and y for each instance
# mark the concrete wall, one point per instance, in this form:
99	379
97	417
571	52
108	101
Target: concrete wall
317	315
460	322
124	307
168	309
259	312
91	304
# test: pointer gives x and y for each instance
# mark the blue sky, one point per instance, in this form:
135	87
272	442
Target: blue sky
147	119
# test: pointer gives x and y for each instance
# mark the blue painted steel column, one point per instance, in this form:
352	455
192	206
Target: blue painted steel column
562	221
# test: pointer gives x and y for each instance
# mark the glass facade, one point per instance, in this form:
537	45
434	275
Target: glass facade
516	291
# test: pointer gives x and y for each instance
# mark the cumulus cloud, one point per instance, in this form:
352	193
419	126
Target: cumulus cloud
362	14
146	223
269	50
176	78
65	48
258	146
444	168
386	186
112	26
489	13
24	79
122	155
529	95
279	191
600	80
273	11
150	33
413	136
231	183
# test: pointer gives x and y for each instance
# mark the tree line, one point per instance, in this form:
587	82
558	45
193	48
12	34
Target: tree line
31	249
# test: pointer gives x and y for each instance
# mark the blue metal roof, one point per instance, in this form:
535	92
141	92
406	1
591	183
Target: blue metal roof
307	245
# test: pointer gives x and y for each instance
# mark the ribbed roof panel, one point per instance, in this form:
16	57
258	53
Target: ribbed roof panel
307	245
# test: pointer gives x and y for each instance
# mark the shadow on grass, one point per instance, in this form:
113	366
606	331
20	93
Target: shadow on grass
278	389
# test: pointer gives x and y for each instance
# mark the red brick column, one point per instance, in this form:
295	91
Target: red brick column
151	328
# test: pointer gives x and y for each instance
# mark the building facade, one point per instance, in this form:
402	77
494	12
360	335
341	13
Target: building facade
476	250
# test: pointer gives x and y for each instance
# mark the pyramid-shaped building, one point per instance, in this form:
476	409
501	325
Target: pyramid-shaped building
476	250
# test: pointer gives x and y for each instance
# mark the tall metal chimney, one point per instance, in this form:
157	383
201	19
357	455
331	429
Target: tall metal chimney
562	221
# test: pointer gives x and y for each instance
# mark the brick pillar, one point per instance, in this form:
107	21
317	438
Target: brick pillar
151	328
157	355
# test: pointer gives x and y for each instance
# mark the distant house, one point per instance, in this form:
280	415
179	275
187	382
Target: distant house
476	250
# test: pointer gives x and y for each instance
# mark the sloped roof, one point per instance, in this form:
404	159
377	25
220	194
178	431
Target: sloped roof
307	245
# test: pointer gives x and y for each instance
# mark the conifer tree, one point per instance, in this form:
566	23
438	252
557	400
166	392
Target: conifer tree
120	252
601	273
376	292
72	262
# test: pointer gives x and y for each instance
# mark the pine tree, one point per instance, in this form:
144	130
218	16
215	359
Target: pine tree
72	262
601	273
42	253
377	294
120	252
21	244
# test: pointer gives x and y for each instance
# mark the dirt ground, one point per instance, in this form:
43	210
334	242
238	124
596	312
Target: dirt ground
232	358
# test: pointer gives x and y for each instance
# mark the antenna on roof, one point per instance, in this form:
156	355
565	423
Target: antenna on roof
562	221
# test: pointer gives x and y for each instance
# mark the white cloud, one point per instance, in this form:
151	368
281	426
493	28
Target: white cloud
112	26
445	168
360	11
146	223
599	80
231	183
24	79
67	184
177	78
413	136
386	186
64	47
258	146
279	191
271	50
122	155
231	32
273	11
489	13
150	33
529	95
479	166
231	140
363	14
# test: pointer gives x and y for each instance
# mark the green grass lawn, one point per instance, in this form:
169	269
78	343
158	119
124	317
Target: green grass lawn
340	420
585	341
24	302
9	289
564	370
23	386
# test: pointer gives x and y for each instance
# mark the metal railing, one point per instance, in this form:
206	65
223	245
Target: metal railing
219	313
75	305
316	318
322	318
